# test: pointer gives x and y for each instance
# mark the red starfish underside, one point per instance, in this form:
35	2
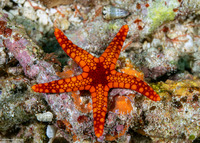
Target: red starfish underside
99	75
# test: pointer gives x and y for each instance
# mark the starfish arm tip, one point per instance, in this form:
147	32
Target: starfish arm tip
97	135
34	87
126	27
56	29
154	96
158	98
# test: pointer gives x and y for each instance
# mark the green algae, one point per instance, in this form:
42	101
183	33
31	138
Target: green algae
160	12
192	137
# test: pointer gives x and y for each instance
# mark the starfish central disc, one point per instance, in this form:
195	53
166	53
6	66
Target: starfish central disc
99	75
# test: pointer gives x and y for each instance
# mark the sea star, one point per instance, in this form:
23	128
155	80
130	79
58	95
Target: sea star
99	75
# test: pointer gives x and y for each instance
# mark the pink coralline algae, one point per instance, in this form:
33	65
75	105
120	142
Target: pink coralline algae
18	103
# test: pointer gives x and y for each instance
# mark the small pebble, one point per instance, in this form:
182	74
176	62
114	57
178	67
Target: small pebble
51	131
44	117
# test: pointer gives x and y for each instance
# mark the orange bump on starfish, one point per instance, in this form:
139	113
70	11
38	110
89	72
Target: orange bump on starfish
98	76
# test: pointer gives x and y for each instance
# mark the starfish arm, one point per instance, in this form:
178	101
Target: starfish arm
80	82
111	54
99	102
121	80
84	59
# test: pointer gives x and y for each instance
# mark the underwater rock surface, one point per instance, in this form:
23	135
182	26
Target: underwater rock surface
163	43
